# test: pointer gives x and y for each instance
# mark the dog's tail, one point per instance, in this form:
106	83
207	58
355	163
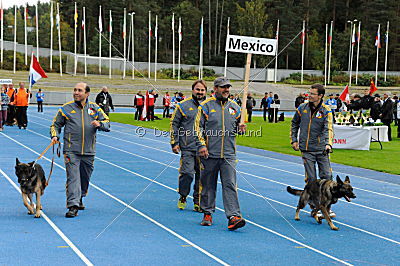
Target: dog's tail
293	191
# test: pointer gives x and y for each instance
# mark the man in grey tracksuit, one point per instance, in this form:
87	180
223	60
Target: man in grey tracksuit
216	127
81	119
182	140
315	122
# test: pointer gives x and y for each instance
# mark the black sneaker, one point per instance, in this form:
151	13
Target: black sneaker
72	212
81	207
236	222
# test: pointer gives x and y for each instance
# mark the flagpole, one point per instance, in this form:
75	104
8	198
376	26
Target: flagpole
110	33
377	55
330	51
179	49
209	29
37	33
133	46
156	46
351	52
2	29
30	76
124	36
149	69
276	54
15	38
387	45
216	29
173	45
51	35
100	31
59	36
226	52
25	34
75	28
201	51
220	27
358	49
84	38
351	31
326	54
303	35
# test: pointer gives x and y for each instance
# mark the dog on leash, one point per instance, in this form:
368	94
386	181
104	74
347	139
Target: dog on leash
32	179
320	194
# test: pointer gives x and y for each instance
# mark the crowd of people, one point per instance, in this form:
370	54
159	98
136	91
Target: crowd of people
384	109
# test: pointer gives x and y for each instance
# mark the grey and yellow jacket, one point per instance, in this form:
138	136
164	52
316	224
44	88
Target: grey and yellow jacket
216	127
79	134
316	129
182	122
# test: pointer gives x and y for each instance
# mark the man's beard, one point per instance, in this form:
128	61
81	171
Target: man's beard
221	98
199	98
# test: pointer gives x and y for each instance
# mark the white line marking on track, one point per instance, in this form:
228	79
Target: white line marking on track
133	209
50	222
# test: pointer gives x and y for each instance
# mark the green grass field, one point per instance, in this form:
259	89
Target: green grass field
275	137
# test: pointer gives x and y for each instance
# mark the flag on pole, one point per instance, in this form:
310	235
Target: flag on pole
1	11
180	31
387	36
303	36
100	22
378	39
330	35
358	36
345	96
83	23
58	20
110	25
76	17
353	37
36	72
372	87
26	13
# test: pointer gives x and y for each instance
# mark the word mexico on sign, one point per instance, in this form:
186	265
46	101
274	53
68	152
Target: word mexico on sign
250	45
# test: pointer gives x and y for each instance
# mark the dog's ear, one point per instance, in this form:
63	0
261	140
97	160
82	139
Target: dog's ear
31	163
17	162
347	179
339	181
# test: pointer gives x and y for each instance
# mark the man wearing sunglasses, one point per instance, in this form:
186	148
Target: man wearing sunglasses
315	122
81	119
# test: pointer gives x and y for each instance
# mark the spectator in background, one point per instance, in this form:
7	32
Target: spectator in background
376	107
138	103
275	110
355	103
332	103
104	100
11	107
166	104
237	99
39	99
4	101
367	100
270	110
181	97
21	101
339	103
395	102
387	113
250	103
265	105
152	102
299	100
398	118
174	100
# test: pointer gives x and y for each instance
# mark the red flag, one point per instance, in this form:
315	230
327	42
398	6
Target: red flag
372	88
345	96
145	107
302	37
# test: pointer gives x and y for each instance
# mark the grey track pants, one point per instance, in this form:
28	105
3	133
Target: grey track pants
310	159
79	169
190	167
208	185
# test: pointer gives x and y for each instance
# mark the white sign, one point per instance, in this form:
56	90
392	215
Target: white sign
250	45
5	81
274	105
351	138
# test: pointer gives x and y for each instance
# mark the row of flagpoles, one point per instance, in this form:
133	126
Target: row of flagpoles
355	37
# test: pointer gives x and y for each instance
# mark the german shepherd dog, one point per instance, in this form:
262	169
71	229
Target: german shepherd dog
320	194
32	179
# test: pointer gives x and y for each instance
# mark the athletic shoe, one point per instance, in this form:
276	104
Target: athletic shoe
72	212
235	222
332	214
182	203
207	220
196	208
81	207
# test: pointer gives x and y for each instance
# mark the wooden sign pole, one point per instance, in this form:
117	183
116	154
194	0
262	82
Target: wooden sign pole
246	88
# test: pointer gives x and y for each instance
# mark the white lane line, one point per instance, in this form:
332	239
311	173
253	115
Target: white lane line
55	228
244	173
133	209
262	156
260	226
284	204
